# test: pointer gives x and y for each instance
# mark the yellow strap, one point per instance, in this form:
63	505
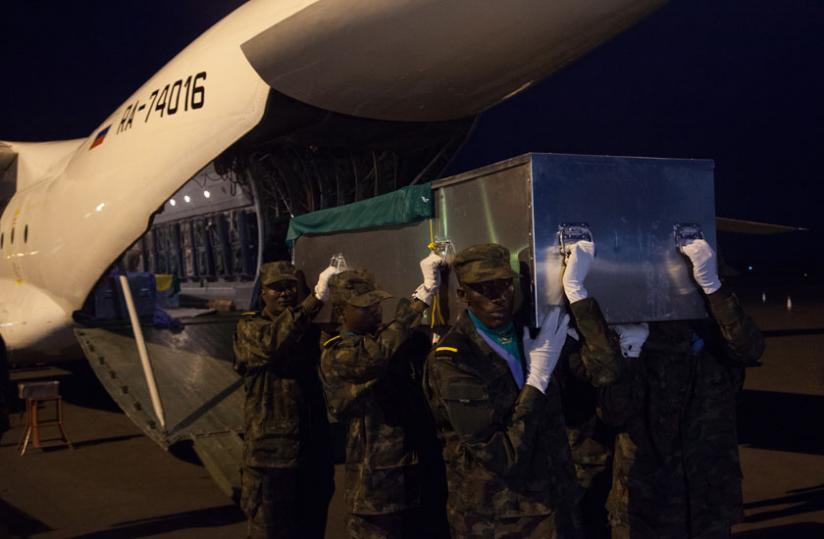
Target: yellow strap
333	339
436	316
445	349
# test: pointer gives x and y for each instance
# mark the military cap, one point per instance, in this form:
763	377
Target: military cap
483	262
273	272
356	287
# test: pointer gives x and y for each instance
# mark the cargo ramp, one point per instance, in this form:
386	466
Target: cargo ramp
202	396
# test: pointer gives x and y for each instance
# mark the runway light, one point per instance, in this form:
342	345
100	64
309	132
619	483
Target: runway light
805	275
749	268
763	297
187	199
789	303
100	206
172	201
207	194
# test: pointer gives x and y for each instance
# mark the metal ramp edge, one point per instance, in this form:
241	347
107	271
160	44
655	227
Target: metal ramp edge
118	388
202	397
222	454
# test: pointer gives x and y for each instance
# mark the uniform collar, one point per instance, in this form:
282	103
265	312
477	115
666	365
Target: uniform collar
464	326
509	329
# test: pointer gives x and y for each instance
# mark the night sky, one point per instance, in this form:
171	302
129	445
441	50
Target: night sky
737	81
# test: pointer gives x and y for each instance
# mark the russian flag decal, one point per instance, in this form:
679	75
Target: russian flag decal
98	140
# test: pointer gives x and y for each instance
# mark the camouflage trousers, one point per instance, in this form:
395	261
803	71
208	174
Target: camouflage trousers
417	523
389	526
284	503
528	527
668	518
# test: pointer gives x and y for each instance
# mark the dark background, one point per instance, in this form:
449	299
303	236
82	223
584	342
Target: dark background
737	81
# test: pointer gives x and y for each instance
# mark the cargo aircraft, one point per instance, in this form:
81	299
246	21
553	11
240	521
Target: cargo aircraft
282	107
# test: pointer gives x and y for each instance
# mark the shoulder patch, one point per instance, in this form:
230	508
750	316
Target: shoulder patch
331	341
446	349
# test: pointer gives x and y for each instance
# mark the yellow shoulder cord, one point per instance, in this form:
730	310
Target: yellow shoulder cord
436	317
330	341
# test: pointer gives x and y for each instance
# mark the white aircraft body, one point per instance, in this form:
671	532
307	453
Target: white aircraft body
77	205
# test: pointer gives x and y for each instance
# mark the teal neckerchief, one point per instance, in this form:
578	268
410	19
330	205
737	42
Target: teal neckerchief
505	338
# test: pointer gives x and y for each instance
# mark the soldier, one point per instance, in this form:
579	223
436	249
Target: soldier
498	408
676	467
586	366
365	371
287	476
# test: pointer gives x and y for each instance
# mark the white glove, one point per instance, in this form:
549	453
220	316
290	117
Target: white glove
544	350
431	278
578	261
633	337
704	265
322	288
429	269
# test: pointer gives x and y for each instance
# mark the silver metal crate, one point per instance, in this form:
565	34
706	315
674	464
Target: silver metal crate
630	205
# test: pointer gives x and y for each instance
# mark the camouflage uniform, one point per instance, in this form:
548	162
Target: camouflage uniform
676	468
587	364
367	383
287	464
507	459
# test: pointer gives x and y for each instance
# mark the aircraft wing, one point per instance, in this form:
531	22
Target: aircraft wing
429	60
741	226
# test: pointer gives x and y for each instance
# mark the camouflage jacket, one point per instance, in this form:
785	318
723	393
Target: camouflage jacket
505	448
676	409
283	410
587	364
368	386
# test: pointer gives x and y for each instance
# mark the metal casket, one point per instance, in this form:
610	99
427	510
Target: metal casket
631	207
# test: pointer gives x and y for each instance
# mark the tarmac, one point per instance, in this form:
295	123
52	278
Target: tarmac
781	417
116	482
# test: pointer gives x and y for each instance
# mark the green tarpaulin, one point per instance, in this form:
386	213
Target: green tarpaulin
404	206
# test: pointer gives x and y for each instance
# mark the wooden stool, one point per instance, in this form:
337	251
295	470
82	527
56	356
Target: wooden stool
34	393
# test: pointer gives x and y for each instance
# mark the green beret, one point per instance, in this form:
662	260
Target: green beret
356	287
273	272
484	262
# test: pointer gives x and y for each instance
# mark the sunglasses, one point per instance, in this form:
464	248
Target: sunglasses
281	288
492	289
